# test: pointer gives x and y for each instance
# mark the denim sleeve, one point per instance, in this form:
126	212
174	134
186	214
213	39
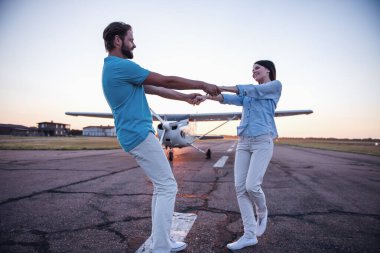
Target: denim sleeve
271	90
232	99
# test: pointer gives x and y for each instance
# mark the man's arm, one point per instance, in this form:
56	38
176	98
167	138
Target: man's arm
179	83
171	94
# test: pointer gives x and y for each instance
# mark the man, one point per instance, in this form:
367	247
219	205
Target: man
124	85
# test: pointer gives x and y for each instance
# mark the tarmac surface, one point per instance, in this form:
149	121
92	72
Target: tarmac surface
99	201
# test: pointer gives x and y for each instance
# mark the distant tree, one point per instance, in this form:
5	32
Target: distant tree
75	132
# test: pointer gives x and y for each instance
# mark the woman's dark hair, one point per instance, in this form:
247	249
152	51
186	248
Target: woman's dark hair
113	29
270	66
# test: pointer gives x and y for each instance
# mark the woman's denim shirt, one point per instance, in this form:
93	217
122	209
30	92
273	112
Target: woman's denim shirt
259	104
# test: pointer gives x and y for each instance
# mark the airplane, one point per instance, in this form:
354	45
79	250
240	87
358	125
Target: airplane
174	132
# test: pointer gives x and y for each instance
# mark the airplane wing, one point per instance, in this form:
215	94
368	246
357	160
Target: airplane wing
291	112
195	117
209	137
91	114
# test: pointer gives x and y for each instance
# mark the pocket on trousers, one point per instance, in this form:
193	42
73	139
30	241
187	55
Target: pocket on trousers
263	141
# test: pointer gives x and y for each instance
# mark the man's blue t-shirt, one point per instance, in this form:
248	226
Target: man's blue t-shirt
122	86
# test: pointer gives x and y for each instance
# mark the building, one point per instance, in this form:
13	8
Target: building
53	129
44	129
106	131
10	129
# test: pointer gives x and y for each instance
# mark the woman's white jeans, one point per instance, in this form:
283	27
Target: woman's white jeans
151	158
252	158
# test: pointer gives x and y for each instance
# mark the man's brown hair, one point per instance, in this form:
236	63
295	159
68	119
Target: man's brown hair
113	29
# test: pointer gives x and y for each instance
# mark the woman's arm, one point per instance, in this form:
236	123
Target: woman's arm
222	98
270	90
218	98
232	89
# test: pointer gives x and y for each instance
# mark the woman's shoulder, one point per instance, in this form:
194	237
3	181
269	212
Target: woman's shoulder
275	85
274	82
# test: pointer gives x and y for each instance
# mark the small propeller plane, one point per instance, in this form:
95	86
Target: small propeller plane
174	132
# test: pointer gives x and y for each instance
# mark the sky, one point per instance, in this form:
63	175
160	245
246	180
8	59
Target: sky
326	52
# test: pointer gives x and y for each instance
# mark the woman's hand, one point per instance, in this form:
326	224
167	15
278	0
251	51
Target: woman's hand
201	99
194	98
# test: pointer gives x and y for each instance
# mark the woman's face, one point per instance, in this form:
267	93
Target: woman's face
260	73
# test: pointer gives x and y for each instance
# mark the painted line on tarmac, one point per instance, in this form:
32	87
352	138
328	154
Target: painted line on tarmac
220	163
181	225
232	147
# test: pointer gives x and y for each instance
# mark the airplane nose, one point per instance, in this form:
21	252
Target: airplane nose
166	125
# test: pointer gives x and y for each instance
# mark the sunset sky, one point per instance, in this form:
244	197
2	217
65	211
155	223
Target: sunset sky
327	55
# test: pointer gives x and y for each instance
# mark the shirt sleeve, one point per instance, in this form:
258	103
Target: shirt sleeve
133	73
270	90
232	99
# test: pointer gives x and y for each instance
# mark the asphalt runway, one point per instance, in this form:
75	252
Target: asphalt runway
99	201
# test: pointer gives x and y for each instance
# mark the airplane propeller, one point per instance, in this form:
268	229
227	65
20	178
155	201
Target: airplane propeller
165	124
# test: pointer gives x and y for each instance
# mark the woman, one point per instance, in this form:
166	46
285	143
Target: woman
254	150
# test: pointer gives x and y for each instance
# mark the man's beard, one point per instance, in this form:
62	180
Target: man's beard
126	52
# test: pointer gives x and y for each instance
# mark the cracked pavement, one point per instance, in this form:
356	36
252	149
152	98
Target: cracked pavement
99	201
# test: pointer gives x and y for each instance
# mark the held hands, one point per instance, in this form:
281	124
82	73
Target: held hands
211	89
213	93
201	98
193	98
218	98
196	98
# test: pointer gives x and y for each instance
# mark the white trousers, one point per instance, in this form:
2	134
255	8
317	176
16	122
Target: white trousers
252	158
152	159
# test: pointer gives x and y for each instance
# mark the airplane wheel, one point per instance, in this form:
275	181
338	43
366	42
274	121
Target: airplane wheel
170	156
208	154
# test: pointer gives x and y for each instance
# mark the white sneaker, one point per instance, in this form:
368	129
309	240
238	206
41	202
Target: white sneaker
242	243
261	224
177	246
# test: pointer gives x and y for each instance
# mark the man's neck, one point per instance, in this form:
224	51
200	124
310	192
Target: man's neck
116	53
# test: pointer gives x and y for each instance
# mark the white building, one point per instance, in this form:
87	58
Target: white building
99	131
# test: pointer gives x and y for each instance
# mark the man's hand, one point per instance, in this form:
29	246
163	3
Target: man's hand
211	89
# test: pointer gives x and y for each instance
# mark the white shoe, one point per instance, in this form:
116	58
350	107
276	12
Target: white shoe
242	243
177	246
261	224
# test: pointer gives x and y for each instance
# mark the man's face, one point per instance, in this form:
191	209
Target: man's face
128	45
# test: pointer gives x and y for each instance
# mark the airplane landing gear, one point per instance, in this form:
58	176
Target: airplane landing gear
208	154
170	155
